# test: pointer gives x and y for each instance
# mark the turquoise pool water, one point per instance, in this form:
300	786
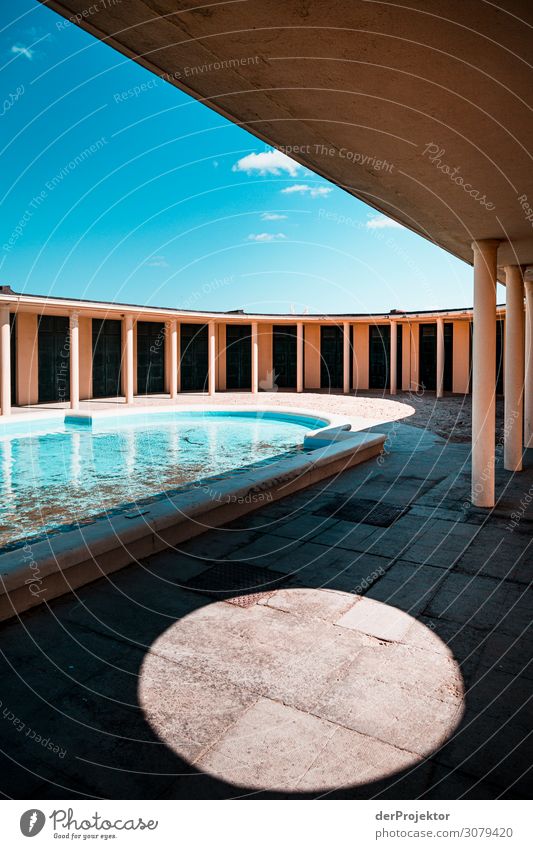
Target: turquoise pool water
57	473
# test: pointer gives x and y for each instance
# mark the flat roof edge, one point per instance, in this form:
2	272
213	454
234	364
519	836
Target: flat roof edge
37	300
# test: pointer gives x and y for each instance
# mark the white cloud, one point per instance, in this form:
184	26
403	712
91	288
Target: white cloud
272	216
379	222
157	262
265	237
296	187
22	51
270	162
303	189
321	192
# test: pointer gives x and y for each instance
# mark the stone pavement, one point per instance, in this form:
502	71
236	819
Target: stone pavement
364	638
450	417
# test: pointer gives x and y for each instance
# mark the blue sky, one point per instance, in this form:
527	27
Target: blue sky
116	185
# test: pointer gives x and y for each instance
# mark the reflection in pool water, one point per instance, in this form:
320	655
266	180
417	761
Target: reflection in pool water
59	474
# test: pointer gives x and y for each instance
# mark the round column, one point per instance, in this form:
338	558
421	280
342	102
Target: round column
5	344
255	359
74	330
440	357
128	358
514	369
393	357
300	357
484	372
173	359
346	358
211	362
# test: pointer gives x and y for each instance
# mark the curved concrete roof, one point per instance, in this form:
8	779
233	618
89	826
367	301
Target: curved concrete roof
421	109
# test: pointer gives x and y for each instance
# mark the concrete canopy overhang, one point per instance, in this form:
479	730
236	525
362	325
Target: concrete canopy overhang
422	110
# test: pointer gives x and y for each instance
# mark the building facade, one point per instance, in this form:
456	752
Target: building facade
66	350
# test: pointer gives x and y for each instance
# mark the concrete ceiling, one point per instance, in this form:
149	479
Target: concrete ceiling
350	83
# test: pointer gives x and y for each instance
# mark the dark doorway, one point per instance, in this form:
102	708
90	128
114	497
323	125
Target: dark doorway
150	357
499	356
448	357
13	355
427	356
284	355
331	357
238	356
54	358
193	357
378	356
107	355
399	356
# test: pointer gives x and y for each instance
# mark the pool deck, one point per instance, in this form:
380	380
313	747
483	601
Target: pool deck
372	643
361	410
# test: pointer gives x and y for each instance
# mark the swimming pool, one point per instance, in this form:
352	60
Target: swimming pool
59	473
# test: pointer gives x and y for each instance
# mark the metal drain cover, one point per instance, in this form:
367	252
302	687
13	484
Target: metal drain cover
237	583
365	510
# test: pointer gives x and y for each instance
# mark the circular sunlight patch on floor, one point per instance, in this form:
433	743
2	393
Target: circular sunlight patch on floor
300	692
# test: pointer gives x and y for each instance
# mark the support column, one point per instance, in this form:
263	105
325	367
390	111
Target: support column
127	328
255	359
528	386
74	331
393	357
211	364
300	357
514	369
483	372
346	358
173	360
5	345
440	357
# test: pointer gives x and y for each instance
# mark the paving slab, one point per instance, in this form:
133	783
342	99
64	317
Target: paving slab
487	749
350	572
431	674
464	644
482	602
400	717
188	714
500	554
277	552
350	759
438	545
266	651
214	545
327	605
133	608
349	535
507	653
305	527
407	586
271	746
377	620
449	783
395	541
501	695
